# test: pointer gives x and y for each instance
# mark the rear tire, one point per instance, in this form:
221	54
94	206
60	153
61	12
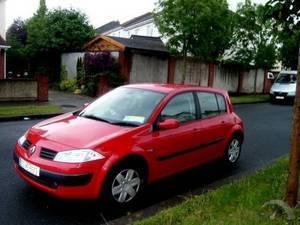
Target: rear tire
233	151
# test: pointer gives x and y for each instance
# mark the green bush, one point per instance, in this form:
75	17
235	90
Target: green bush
63	73
68	85
90	87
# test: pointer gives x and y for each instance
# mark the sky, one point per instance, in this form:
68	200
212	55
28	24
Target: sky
99	12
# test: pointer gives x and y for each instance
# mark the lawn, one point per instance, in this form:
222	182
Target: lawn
243	99
27	109
236	203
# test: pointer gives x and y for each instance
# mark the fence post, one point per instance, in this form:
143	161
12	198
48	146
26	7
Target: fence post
125	60
171	70
102	85
211	74
43	88
2	66
267	83
241	80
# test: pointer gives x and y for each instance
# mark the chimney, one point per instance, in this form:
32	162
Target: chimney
2	18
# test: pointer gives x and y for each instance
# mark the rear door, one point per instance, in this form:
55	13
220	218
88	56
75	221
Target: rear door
212	126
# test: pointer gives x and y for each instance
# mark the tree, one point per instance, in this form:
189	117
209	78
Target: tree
16	37
43	8
287	14
200	28
289	48
51	33
287	27
253	43
68	30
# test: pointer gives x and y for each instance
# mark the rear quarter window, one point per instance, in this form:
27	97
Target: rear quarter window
221	103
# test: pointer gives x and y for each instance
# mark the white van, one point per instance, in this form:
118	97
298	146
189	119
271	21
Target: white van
284	87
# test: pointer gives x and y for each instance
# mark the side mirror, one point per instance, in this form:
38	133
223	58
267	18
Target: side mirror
270	76
169	124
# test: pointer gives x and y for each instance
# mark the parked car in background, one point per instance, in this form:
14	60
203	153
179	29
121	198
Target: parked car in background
284	87
130	137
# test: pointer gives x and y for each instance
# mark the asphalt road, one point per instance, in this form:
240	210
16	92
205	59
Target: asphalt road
267	129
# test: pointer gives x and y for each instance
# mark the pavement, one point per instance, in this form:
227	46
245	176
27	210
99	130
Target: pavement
267	130
68	101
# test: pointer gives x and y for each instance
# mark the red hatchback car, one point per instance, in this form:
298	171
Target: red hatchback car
132	136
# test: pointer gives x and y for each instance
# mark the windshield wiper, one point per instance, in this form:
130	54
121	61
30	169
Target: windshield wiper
123	123
96	118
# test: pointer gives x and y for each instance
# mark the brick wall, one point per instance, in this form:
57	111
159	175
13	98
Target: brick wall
24	89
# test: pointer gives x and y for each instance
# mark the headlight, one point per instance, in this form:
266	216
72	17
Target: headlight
292	93
78	156
22	139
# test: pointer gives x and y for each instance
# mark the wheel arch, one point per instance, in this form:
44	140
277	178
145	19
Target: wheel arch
134	158
238	133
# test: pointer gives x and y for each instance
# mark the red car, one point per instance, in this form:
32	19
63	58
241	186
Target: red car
132	136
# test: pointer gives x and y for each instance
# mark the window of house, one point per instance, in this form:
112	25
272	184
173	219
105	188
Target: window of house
181	107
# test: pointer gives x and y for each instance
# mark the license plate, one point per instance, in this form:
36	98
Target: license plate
279	97
30	168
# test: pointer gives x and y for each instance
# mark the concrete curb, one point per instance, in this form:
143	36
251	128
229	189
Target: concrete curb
30	117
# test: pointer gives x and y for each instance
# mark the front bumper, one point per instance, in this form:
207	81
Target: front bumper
67	181
281	97
54	180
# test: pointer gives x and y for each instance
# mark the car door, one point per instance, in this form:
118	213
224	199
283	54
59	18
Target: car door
170	147
212	127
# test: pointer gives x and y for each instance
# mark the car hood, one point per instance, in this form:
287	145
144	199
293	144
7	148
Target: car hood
76	132
284	87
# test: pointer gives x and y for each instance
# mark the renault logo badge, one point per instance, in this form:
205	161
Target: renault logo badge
32	150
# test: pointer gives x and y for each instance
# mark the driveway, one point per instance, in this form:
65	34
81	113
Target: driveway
68	101
267	138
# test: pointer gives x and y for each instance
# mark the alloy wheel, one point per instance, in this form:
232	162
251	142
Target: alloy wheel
234	150
125	185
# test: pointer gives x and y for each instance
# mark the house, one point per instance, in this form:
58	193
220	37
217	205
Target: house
142	25
3	45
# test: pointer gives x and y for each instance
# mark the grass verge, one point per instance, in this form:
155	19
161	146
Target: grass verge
249	99
239	202
27	109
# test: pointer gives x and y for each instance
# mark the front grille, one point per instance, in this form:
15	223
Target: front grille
26	144
280	93
47	154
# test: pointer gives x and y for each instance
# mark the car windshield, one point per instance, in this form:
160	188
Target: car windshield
286	78
124	106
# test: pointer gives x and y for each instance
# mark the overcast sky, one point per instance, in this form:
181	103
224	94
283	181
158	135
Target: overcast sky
99	12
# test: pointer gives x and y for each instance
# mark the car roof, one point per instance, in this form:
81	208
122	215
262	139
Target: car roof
169	88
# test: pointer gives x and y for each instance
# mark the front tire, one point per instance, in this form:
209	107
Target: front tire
233	151
123	186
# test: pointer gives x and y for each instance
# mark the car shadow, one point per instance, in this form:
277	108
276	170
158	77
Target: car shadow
159	195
